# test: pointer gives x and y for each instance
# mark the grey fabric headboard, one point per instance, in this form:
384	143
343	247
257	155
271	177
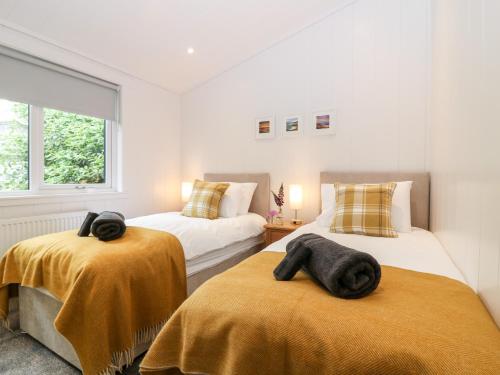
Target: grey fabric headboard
261	198
420	192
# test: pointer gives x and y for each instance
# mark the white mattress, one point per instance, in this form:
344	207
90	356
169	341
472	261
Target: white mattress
201	236
419	250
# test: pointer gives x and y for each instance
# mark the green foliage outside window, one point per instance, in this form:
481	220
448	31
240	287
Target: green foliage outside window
74	149
14	154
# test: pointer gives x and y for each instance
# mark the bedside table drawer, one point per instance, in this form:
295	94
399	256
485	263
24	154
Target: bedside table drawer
275	232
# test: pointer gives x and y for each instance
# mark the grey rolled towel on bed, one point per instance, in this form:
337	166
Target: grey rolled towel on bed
292	262
109	226
345	272
87	224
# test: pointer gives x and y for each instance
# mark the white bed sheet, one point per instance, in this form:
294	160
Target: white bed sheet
200	236
418	250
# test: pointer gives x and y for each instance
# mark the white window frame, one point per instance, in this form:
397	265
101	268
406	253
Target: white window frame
37	185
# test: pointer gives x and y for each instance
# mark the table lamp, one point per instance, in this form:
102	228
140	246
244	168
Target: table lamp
186	189
295	195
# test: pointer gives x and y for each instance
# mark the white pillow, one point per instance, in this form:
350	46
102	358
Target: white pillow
401	207
400	212
325	219
248	189
327	196
231	200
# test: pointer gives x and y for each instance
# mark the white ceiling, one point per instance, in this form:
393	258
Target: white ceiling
149	38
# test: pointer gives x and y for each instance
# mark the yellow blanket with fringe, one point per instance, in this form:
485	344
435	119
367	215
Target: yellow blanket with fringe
115	295
244	322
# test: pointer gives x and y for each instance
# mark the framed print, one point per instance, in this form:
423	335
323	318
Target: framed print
323	123
264	127
292	126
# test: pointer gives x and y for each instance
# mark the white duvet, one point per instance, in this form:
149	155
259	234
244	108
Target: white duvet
200	236
418	250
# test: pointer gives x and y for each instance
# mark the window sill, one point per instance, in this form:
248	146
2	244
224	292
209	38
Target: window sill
24	200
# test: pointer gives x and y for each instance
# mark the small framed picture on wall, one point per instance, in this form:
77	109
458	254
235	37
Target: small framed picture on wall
292	126
264	127
323	123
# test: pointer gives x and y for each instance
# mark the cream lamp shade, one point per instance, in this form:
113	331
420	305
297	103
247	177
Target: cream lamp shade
295	196
186	189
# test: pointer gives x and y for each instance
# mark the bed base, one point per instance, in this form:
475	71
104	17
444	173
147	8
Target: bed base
37	314
37	310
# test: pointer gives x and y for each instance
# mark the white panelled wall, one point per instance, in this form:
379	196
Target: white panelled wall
372	62
368	61
465	140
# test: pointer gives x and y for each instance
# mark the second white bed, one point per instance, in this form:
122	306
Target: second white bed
418	250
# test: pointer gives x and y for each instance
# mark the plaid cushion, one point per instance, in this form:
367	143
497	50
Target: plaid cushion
205	199
364	209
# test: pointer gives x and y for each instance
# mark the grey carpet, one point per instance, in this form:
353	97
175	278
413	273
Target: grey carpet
22	355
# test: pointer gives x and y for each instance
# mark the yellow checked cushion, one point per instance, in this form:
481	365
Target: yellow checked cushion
205	199
364	209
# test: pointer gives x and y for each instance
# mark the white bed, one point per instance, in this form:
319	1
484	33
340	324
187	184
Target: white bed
210	247
418	250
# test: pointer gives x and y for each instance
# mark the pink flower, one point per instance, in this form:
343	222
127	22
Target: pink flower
272	213
279	198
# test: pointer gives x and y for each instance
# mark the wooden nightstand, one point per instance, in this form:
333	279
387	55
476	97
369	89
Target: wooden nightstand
275	232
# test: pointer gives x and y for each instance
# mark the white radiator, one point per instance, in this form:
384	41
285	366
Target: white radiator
15	230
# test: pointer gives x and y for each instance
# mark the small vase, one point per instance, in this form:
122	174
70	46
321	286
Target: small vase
279	218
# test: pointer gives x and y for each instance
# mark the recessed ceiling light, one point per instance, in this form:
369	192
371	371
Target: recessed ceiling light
190	50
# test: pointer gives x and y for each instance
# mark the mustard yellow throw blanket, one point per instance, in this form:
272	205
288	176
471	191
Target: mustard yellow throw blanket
115	295
244	322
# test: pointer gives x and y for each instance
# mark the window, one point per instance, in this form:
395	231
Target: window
44	150
64	138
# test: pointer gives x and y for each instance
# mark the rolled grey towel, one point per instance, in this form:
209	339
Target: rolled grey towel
292	262
109	226
345	272
87	223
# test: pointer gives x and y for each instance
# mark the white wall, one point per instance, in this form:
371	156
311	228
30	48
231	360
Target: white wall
369	61
150	131
465	139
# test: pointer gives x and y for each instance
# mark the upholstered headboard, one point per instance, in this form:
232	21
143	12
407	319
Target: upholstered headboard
261	197
420	191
